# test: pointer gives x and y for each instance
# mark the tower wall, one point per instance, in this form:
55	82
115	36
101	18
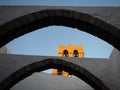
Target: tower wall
68	51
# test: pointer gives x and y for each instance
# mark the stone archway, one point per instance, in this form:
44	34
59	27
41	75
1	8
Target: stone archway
29	69
40	19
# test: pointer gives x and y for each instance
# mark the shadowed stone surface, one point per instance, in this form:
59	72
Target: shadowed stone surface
42	81
19	65
103	22
108	14
105	69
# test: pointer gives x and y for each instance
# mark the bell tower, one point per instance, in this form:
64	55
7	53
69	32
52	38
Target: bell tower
68	51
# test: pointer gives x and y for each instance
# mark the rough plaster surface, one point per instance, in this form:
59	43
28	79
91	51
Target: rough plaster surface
108	14
107	70
103	22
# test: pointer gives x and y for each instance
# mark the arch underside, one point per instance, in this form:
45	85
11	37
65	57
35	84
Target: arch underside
72	68
81	21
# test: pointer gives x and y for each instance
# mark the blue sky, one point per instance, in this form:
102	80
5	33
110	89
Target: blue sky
46	40
62	2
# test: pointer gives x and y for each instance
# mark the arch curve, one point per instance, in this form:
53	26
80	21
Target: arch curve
72	68
40	19
65	53
75	53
